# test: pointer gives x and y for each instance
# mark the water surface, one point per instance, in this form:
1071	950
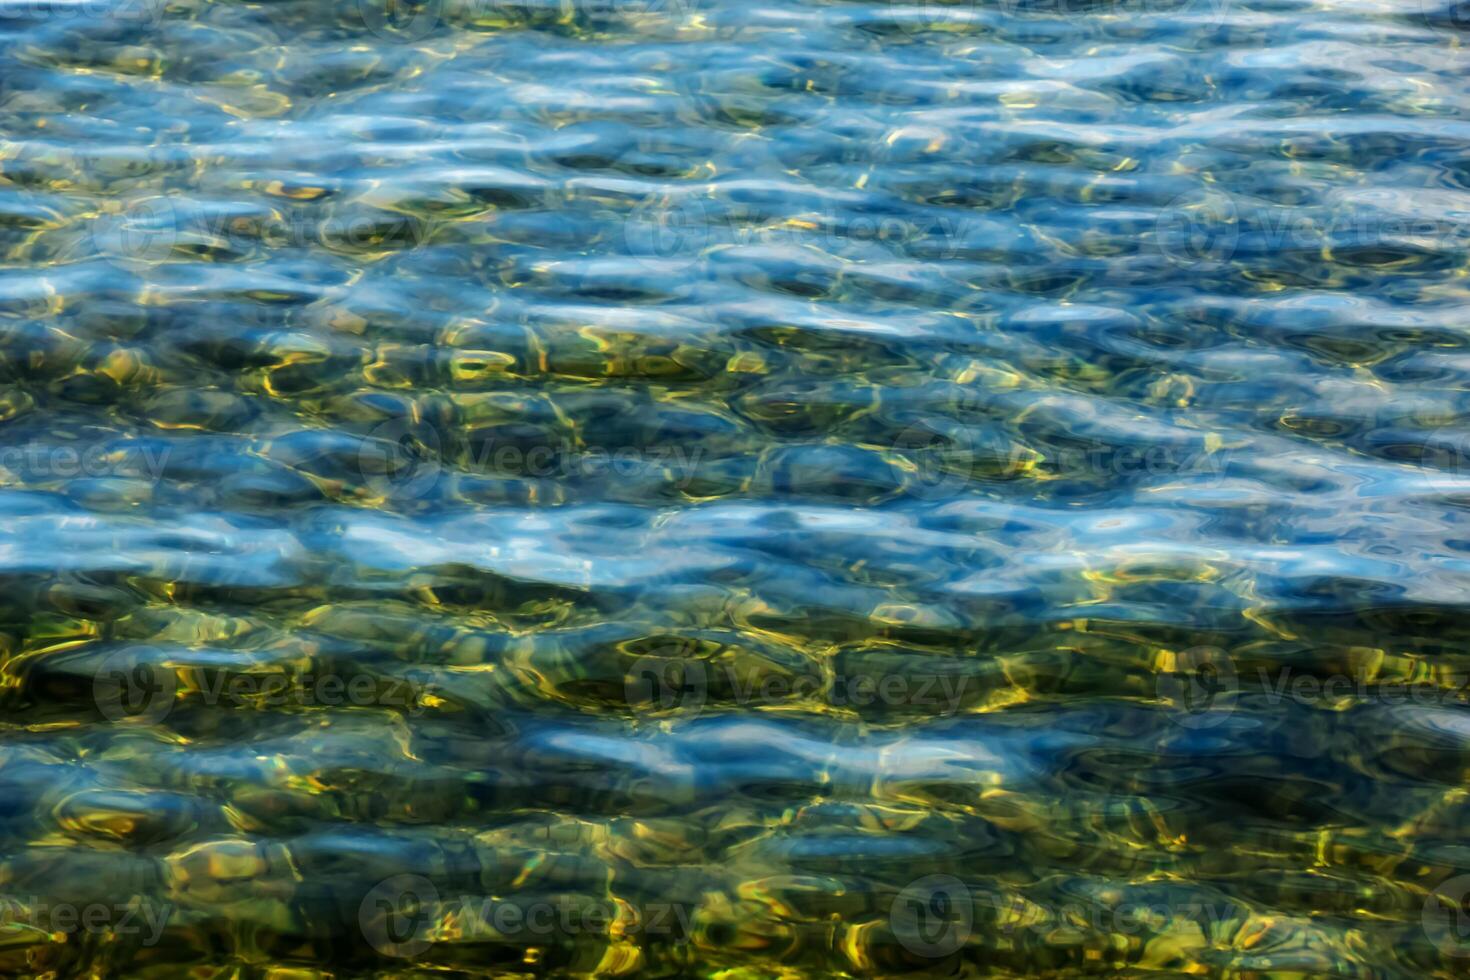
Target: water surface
687	488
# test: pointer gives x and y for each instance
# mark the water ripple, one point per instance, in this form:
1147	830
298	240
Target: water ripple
669	487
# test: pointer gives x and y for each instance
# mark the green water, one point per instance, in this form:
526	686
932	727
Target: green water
684	488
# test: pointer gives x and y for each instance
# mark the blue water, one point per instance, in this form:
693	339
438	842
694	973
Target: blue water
690	488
